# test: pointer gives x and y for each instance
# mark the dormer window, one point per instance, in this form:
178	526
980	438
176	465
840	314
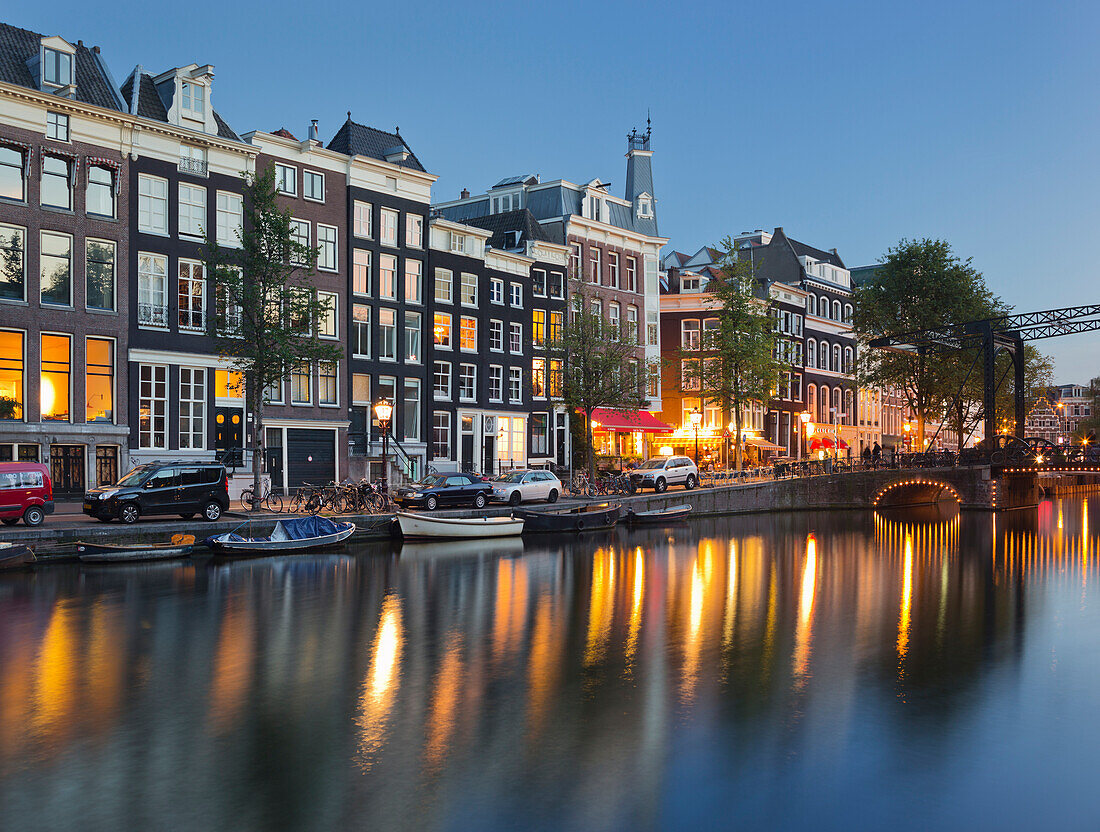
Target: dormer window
645	207
690	283
458	242
57	67
193	100
595	208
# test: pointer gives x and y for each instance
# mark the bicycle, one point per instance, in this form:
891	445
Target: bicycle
270	501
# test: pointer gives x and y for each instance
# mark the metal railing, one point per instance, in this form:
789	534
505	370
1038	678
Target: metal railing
152	314
196	166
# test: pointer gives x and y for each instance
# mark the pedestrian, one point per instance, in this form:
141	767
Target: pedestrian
876	454
866	454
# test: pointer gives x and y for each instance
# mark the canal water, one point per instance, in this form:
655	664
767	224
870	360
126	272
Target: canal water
912	670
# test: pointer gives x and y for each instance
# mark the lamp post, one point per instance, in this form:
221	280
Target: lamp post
696	420
907	427
805	418
383	410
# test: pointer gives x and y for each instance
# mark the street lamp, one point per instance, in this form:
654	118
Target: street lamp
383	411
805	418
696	420
908	441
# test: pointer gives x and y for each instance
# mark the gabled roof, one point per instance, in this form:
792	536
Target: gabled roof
286	134
803	250
93	81
150	105
503	227
354	139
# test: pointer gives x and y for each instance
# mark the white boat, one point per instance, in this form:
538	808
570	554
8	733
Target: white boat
423	525
300	534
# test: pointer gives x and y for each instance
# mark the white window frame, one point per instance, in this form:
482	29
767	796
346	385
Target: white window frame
462	320
195	433
158	377
496	336
443	277
419	330
496	381
465	284
327	257
147	185
356	325
515	337
463	376
296	371
387	234
335	376
57	126
363	220
414	230
418	283
191	327
388	356
438	394
515	295
229	219
282	174
496	291
187	229
515	385
387	264
328	326
314	176
356	266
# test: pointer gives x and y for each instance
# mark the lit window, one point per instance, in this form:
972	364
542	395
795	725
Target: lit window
56	367
538	327
301	384
360	389
538	378
467	334
99	380
557	321
441	330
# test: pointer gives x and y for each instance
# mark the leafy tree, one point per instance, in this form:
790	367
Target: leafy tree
601	366
921	284
267	310
736	365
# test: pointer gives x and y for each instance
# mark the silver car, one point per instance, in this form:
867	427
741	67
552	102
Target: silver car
660	472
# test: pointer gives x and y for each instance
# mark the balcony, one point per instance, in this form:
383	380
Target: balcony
195	166
153	314
192	320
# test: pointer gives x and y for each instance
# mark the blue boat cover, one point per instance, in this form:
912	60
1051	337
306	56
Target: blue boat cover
304	528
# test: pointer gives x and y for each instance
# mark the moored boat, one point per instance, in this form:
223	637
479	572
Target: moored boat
179	547
15	556
294	535
658	516
581	519
422	526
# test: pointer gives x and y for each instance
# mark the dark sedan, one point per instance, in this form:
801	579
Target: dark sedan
444	489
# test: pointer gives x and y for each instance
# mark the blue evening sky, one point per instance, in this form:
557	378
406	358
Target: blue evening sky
851	124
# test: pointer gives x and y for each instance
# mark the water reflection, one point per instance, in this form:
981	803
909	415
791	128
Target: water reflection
638	679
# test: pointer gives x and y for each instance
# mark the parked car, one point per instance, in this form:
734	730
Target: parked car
26	491
179	488
517	487
444	489
660	472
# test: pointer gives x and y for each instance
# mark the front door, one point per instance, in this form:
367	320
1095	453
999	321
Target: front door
67	470
106	465
559	439
488	466
228	431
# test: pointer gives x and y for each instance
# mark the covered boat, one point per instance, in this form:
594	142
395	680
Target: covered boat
422	525
295	535
15	556
658	516
180	546
581	519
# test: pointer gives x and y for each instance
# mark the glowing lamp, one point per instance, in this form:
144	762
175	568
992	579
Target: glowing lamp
696	418
49	396
810	428
383	410
805	417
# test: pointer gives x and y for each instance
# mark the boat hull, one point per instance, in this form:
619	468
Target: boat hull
658	517
15	556
585	519
103	553
263	546
420	526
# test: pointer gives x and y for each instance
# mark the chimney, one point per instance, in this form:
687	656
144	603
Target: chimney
313	130
95	49
465	194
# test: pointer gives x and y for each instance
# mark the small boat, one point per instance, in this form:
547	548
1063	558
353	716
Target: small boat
582	519
15	556
423	525
295	535
179	547
658	516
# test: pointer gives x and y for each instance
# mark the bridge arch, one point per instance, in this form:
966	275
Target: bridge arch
914	490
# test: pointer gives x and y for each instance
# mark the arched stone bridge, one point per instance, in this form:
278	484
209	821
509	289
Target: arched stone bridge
980	487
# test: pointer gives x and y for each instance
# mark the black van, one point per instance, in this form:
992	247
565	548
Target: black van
183	488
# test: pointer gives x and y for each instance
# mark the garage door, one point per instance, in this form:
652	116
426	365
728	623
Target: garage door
310	457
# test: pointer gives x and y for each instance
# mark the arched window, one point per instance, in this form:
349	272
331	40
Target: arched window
823	356
811	305
848	412
836	310
837	366
811	353
811	400
823	405
847	313
848	360
839	414
823	307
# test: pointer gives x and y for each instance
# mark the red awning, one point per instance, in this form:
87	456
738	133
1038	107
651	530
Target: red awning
819	442
629	420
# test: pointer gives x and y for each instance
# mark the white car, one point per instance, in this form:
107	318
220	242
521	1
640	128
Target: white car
517	487
660	472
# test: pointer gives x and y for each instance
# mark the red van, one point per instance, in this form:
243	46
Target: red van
25	491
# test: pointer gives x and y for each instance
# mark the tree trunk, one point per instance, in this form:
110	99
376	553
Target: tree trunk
257	447
591	449
737	435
